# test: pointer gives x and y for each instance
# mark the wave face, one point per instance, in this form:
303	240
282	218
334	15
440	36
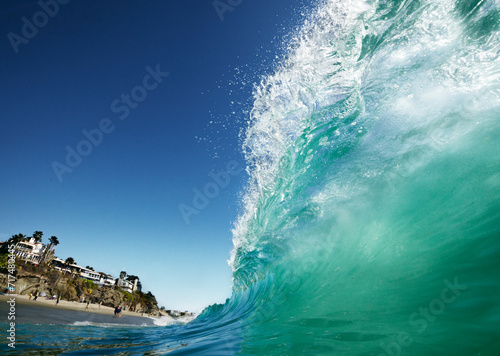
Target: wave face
371	222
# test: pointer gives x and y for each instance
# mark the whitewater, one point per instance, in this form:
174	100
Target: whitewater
370	224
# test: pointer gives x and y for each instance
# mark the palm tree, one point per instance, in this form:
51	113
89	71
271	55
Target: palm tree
53	241
17	238
49	250
37	235
70	261
12	241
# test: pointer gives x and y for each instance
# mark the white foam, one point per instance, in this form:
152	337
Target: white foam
167	320
106	325
314	74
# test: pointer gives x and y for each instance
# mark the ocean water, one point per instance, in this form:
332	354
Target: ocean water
370	224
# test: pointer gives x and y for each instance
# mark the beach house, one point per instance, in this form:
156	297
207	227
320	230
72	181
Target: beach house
75	269
60	265
29	251
130	284
88	274
106	280
99	278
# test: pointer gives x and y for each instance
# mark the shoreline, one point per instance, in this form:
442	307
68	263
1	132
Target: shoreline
64	304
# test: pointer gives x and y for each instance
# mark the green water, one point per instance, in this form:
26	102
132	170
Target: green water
372	219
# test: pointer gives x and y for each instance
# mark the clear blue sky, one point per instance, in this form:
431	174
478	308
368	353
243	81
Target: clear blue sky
118	209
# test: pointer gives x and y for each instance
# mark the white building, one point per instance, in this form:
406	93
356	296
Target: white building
88	274
99	278
29	251
129	286
60	265
106	280
83	272
125	285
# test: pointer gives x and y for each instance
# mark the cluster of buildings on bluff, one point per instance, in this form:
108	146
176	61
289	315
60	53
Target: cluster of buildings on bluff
33	252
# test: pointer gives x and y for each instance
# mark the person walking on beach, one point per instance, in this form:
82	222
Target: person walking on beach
36	295
88	302
118	311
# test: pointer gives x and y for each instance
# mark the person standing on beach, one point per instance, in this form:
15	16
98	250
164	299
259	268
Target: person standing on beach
36	295
118	311
31	296
58	299
88	302
100	304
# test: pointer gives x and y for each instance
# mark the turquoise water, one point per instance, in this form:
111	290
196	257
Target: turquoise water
370	224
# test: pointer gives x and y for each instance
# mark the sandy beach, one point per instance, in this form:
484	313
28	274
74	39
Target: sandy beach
64	304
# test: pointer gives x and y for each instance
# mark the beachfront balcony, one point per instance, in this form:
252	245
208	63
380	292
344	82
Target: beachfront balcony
29	251
90	275
28	257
